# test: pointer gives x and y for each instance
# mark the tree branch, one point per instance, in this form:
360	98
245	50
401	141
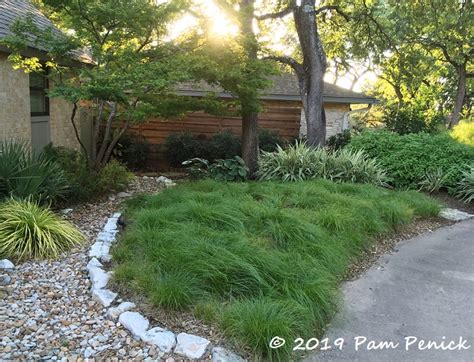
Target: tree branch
277	15
76	132
332	7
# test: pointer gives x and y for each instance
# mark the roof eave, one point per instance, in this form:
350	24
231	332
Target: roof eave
284	97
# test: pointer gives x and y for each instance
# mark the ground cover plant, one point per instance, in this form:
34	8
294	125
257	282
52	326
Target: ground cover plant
28	230
258	259
408	159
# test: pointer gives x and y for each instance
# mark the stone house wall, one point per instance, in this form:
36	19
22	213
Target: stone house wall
334	118
15	118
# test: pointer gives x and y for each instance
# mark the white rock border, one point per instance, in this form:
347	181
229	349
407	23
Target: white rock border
187	345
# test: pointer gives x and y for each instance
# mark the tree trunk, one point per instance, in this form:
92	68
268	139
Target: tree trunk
249	117
250	141
460	95
314	66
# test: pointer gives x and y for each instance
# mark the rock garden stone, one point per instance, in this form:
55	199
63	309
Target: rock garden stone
94	263
99	278
191	346
106	237
6	264
114	312
454	214
220	354
135	323
100	250
5	280
161	338
104	296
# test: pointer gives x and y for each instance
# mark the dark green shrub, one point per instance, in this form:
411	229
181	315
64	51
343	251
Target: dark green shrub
180	147
24	174
222	145
339	140
268	140
410	120
132	150
408	158
29	231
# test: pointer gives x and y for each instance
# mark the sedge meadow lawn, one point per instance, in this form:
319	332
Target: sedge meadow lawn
257	259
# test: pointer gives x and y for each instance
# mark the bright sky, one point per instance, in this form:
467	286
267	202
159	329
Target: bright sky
220	26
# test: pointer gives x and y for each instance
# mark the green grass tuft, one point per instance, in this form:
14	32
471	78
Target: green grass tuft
258	259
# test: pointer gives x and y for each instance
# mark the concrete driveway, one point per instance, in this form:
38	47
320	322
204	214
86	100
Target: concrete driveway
423	292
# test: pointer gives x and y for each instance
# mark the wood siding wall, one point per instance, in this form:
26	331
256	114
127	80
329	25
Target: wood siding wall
282	117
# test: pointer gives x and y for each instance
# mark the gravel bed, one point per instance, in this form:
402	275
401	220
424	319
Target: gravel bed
46	311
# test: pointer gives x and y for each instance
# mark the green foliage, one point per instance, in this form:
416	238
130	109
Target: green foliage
407	159
268	140
30	231
133	151
465	187
84	182
222	145
233	169
267	256
114	177
339	140
180	147
24	174
409	120
434	181
464	132
299	162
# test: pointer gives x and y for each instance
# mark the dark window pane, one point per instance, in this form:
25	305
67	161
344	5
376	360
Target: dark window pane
37	81
38	102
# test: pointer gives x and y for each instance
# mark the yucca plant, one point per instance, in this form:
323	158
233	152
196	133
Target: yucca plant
299	162
28	230
24	174
466	185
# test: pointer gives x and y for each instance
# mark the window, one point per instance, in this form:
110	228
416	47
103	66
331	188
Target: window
39	101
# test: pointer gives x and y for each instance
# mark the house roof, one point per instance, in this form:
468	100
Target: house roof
13	10
285	87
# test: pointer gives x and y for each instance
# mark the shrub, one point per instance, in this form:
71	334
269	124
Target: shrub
30	231
407	159
222	145
434	181
24	174
180	147
132	150
299	162
464	132
339	140
81	180
84	182
268	140
410	120
114	177
465	187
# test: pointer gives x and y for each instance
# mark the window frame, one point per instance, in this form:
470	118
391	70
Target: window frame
46	98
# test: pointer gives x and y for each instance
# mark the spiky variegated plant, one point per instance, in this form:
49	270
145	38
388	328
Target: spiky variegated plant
466	185
28	230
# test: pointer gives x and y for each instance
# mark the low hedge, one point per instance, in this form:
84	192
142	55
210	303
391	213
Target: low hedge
409	158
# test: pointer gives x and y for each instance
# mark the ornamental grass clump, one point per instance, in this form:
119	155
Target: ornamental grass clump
299	162
28	230
465	188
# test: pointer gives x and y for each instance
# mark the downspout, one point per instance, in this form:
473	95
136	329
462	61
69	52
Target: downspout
345	120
